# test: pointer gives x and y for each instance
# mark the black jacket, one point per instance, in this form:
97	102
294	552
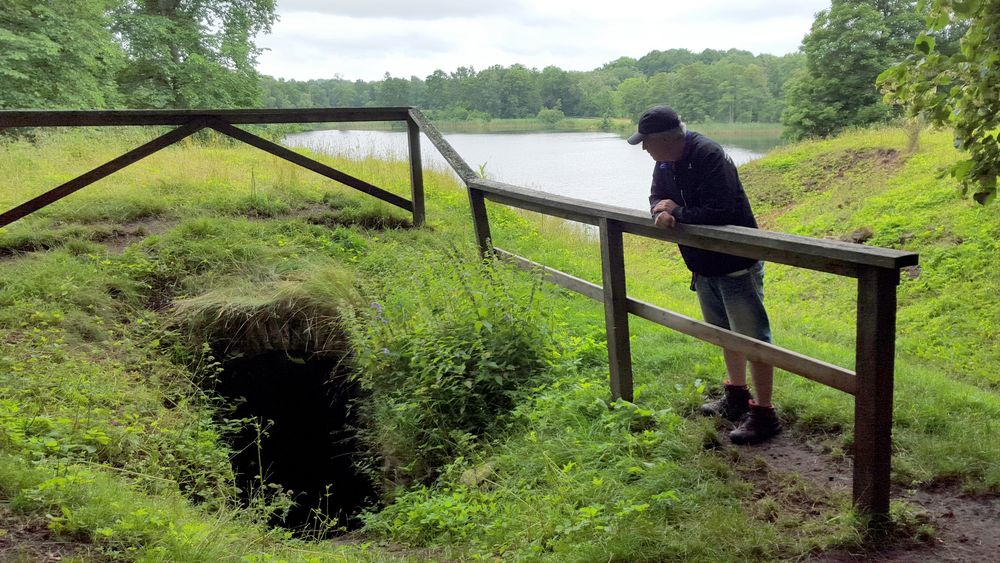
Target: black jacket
705	184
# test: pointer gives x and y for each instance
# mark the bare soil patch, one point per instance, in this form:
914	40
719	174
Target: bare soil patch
124	236
31	540
962	527
835	172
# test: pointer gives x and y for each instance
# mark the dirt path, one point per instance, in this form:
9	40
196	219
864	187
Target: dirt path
966	528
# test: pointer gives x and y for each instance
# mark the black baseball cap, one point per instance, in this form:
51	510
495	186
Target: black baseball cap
656	119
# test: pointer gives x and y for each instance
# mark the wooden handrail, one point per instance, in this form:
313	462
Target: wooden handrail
832	256
443	147
227	129
106	169
876	269
222	120
788	360
114	118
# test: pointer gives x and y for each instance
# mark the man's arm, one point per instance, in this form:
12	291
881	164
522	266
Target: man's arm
662	184
720	193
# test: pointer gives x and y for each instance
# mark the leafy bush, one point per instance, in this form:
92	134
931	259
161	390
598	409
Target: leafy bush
550	116
442	365
477	115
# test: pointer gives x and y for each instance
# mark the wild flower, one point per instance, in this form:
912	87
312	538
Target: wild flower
379	313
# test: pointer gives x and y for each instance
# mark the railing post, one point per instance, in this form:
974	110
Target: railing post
874	365
416	173
616	309
480	221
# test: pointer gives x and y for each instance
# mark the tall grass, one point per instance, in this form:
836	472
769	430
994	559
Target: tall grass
569	476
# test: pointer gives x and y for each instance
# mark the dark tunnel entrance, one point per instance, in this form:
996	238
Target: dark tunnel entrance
309	444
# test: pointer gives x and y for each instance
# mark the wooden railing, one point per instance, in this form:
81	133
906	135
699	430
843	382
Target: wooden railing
876	269
190	122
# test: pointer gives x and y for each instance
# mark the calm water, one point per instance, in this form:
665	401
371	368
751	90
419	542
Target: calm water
599	167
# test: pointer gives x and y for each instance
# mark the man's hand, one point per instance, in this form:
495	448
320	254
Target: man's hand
667	205
664	220
663	213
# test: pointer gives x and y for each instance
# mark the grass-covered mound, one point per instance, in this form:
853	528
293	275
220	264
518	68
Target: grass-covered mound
480	393
892	194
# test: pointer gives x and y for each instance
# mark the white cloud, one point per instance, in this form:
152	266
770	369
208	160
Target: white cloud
366	39
406	9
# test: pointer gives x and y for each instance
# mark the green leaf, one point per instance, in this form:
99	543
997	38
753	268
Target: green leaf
967	8
984	197
960	170
924	44
938	21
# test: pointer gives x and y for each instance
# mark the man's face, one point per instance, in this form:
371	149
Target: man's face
663	149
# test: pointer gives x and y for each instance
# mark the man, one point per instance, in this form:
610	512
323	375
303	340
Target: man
695	182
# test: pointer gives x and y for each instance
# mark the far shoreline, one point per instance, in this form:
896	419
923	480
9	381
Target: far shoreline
620	126
758	137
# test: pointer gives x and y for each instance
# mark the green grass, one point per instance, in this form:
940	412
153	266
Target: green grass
946	393
103	423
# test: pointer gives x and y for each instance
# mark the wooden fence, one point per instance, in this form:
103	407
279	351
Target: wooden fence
190	122
876	269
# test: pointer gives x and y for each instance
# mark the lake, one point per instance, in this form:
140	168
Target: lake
599	167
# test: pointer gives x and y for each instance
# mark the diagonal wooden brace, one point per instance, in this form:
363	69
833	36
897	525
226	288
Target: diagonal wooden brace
306	162
104	170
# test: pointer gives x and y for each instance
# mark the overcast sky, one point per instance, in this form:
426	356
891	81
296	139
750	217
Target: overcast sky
367	38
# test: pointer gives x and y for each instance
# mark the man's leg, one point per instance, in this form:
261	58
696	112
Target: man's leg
735	401
743	296
736	367
761	373
763	382
743	299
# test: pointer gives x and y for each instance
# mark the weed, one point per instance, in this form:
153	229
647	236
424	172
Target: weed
443	357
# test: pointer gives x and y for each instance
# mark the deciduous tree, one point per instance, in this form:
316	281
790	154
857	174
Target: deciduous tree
191	53
959	88
57	55
846	49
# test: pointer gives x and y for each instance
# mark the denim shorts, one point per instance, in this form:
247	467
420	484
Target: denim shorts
735	301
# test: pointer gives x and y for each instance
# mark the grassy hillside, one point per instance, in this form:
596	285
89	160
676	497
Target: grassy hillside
114	302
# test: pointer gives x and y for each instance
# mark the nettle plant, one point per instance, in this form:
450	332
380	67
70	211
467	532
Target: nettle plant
443	359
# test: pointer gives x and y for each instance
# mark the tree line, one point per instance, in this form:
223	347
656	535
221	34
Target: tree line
202	53
713	85
936	58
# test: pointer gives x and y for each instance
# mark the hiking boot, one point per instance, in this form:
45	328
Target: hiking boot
759	425
732	406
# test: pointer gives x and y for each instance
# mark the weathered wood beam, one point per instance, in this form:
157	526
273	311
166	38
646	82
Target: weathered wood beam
102	171
104	118
480	222
416	173
788	360
875	364
616	309
306	162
